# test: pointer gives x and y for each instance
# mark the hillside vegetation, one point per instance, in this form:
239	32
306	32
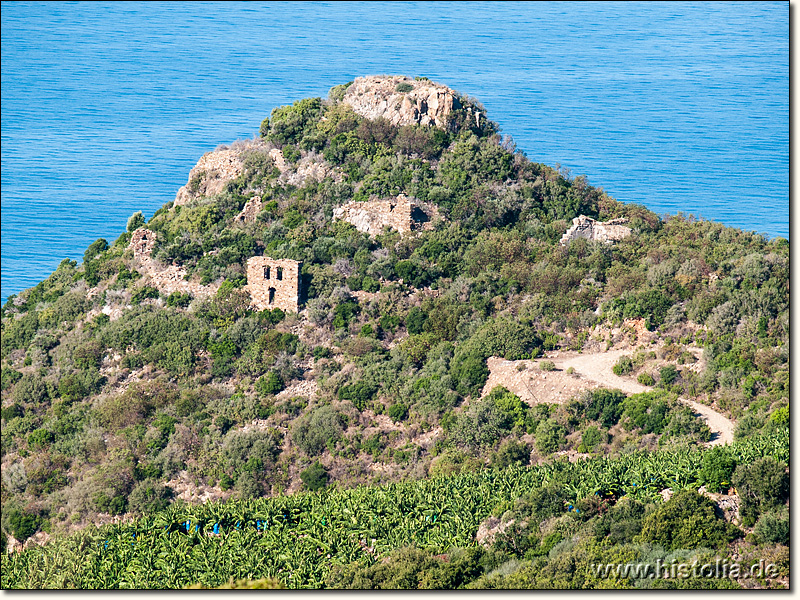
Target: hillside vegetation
123	401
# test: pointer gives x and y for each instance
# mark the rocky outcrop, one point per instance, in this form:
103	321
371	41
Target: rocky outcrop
216	169
587	228
389	97
401	214
210	175
165	278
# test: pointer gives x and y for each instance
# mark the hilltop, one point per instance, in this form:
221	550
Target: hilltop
380	287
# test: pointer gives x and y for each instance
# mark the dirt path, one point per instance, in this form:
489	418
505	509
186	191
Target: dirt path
598	368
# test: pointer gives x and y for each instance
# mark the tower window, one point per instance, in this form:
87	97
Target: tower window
280	273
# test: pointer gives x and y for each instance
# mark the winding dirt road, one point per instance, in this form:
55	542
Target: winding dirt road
598	368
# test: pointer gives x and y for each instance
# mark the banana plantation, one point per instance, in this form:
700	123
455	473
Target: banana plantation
298	539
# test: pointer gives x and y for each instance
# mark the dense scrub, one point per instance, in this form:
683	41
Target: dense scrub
111	390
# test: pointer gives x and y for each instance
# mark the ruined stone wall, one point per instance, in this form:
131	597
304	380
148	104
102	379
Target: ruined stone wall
250	211
165	278
587	228
273	283
427	103
372	216
310	165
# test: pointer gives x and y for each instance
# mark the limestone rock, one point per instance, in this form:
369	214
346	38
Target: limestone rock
427	103
590	229
210	175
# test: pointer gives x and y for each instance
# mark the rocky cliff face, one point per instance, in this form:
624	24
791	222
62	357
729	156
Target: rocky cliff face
403	101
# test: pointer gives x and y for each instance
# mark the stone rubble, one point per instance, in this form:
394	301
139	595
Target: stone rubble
165	278
311	165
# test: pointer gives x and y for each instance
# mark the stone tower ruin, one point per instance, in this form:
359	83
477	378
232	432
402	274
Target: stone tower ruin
273	283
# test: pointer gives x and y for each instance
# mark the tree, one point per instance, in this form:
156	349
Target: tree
550	435
687	520
315	477
135	221
762	486
313	431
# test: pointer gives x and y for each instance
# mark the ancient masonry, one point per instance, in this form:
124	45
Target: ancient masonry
588	228
250	211
400	213
165	278
273	283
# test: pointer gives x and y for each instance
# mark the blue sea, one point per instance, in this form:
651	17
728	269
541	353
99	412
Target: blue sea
682	107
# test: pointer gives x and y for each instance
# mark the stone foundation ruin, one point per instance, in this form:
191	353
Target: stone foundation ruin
400	213
590	229
273	283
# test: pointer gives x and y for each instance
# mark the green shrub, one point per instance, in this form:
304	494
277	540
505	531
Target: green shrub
292	124
313	431
687	520
717	470
94	249
9	377
668	374
144	293
415	320
149	496
270	384
773	527
30	389
591	437
623	366
397	412
181	299
470	372
314	477
550	436
511	452
135	221
359	393
646	379
20	523
762	486
40	438
547	365
343	313
404	87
